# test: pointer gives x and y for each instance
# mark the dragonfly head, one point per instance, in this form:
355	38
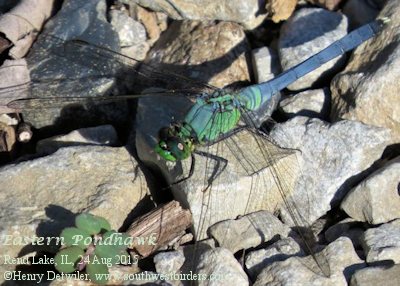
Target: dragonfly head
173	147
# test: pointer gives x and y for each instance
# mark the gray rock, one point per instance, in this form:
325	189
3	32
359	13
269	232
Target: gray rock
307	32
248	231
222	266
333	155
130	32
310	103
169	262
137	52
205	51
132	35
340	256
360	12
372	276
13	73
66	71
99	135
376	200
346	228
223	10
265	64
367	90
383	242
41	196
282	249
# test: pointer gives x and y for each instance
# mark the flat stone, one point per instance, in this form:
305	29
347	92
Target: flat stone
383	242
376	199
340	255
367	90
224	10
248	231
40	197
282	249
310	103
372	276
222	265
333	155
100	135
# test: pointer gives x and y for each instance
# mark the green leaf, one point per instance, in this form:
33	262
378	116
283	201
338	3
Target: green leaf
96	267
73	236
91	223
109	252
66	259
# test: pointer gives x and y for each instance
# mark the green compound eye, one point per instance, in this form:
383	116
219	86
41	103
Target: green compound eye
162	150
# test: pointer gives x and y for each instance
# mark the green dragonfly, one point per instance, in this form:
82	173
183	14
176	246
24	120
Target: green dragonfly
216	115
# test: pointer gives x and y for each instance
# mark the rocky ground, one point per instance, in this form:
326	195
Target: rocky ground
335	145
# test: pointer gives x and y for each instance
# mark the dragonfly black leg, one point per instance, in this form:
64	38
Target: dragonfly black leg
215	174
191	171
217	170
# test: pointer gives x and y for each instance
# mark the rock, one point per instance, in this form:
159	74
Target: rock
137	52
205	51
383	242
8	119
280	10
222	266
14	77
248	231
99	135
376	200
333	155
265	64
310	103
130	32
360	12
66	71
155	23
346	228
224	10
372	276
307	32
340	255
328	4
169	262
367	90
41	197
132	35
282	249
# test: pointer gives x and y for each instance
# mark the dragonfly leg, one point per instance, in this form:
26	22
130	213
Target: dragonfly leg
217	170
191	171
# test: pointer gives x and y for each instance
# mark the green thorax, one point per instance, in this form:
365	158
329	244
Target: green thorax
211	118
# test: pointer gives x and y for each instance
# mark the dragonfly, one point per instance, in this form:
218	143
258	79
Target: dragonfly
216	115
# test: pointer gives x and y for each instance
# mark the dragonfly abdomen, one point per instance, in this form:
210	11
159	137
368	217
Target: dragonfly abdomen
252	97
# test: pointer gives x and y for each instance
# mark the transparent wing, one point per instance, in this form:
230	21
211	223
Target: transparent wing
268	154
242	173
128	71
